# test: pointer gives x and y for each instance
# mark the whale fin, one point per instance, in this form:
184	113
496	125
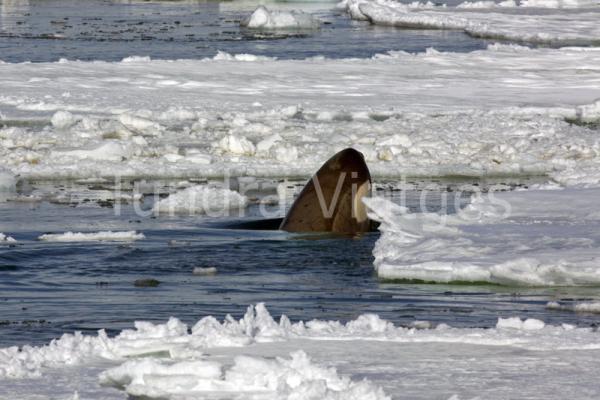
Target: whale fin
331	201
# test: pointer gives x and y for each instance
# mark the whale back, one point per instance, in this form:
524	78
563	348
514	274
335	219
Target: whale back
331	201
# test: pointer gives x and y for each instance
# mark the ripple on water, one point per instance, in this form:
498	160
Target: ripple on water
54	29
88	286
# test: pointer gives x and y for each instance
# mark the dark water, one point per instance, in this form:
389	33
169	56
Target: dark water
47	289
47	30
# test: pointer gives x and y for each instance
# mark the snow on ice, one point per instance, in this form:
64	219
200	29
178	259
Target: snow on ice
583	307
431	114
201	199
7	181
105	236
263	18
530	238
296	377
204	271
257	356
488	19
6	239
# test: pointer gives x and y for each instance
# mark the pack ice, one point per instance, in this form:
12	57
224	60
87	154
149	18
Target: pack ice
263	18
431	114
103	236
544	21
258	357
201	199
7	180
528	238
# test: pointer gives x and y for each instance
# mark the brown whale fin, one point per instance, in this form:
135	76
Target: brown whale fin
331	201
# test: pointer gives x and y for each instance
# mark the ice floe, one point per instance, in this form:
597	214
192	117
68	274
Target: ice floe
224	56
531	238
140	125
8	183
103	236
204	271
258	357
6	239
296	377
529	324
560	3
202	199
531	3
132	59
583	307
585	174
63	120
105	150
263	18
480	113
172	340
236	145
491	20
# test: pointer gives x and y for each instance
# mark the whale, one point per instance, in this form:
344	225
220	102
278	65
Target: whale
332	200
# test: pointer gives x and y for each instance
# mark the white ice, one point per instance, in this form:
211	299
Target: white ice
583	307
7	181
6	239
531	3
263	18
505	20
204	271
103	236
202	199
257	357
294	378
487	112
530	238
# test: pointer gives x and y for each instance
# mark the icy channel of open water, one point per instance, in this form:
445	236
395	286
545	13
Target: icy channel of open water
47	30
49	288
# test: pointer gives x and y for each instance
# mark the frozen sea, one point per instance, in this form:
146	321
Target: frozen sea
479	122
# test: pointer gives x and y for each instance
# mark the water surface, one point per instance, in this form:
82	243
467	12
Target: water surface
47	289
47	30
